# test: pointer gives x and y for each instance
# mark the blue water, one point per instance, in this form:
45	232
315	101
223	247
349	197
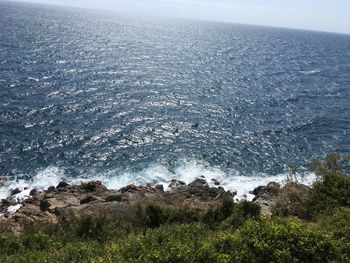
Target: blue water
88	93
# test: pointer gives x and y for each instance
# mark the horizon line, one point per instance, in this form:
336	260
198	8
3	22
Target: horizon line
123	12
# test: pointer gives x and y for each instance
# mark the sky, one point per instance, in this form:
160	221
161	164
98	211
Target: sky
322	15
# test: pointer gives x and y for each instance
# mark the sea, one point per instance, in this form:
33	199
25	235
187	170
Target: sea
124	99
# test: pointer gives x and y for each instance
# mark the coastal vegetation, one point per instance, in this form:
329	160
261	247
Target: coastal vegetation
313	227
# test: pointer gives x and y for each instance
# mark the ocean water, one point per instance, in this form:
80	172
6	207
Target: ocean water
97	95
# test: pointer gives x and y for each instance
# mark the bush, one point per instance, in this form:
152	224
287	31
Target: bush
169	243
333	191
293	203
277	240
338	223
330	191
214	216
259	240
243	211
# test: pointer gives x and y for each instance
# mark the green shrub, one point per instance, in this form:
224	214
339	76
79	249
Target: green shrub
155	216
333	191
214	216
243	211
337	223
183	215
330	191
277	240
169	243
292	203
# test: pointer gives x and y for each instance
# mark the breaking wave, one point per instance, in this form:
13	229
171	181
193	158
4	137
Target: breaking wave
186	171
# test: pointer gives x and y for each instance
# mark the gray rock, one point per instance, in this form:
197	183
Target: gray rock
160	187
114	198
3	180
44	205
62	184
87	199
199	182
33	192
94	186
176	183
15	191
50	189
215	181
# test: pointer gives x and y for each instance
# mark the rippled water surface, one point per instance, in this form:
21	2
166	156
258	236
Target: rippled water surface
103	95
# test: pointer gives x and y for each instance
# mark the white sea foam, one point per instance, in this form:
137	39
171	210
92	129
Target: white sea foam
34	79
13	208
187	171
45	178
310	72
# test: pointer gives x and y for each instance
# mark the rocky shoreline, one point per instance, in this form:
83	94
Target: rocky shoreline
64	201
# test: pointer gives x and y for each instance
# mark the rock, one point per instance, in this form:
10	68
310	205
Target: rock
94	186
289	200
160	187
176	183
3	180
51	188
114	198
295	187
271	189
15	191
184	190
232	193
199	182
273	185
33	201
44	205
62	184
33	192
87	199
215	181
200	189
5	202
130	188
268	196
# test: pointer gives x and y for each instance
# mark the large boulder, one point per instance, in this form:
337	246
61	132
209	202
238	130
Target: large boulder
273	194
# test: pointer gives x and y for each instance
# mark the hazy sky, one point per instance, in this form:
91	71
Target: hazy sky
324	15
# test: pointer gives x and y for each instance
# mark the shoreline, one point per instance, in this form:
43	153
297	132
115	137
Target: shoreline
58	203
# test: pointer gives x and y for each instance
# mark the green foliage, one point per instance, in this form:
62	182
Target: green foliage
214	216
333	191
92	228
337	223
278	240
292	204
169	243
333	188
330	191
183	215
243	211
333	163
255	240
155	216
